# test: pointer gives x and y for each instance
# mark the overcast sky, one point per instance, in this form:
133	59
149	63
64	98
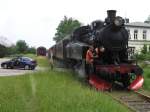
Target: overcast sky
35	21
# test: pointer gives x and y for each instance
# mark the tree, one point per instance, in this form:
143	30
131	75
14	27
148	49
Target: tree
3	51
32	50
144	49
66	27
11	50
21	46
147	20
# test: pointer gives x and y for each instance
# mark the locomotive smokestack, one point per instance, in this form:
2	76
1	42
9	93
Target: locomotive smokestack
111	14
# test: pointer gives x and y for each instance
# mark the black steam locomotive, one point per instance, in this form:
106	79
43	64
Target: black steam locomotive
115	64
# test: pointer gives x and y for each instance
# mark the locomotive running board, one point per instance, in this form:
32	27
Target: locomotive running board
99	84
137	83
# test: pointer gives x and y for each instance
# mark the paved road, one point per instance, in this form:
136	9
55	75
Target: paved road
11	72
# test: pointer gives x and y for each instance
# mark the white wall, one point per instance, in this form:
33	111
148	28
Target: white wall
138	44
140	32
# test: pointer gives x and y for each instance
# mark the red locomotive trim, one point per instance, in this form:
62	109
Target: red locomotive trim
122	69
99	83
137	83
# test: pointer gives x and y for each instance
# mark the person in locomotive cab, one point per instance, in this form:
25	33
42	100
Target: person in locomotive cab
89	60
89	55
98	56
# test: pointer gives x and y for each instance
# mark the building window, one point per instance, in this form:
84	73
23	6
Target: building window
144	34
135	34
129	34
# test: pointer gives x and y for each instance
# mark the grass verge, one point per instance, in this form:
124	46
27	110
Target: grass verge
52	91
41	60
146	75
146	78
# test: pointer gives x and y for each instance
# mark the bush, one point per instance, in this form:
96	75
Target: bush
144	49
31	50
11	50
143	56
3	51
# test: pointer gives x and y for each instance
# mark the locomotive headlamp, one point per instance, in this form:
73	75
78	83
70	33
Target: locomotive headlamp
118	21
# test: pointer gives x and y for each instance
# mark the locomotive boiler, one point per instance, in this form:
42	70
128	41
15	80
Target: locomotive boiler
115	64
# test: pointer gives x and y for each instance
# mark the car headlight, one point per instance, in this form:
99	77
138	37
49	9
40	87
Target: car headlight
118	21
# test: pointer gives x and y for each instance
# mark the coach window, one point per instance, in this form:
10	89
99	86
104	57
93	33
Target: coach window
135	34
144	34
129	34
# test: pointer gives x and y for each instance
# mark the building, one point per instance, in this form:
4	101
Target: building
139	34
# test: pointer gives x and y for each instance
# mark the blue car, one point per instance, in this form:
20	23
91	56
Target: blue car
20	62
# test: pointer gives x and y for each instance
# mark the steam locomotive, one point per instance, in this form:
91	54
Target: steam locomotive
115	64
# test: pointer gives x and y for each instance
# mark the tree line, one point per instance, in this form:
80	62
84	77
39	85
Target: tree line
21	47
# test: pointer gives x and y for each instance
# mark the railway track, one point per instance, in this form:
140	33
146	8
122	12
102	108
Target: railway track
135	101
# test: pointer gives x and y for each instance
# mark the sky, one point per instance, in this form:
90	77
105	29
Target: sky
35	21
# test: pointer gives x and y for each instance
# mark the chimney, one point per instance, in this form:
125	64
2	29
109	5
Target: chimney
126	20
111	14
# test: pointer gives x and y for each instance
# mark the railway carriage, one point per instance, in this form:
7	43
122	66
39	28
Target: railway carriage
41	51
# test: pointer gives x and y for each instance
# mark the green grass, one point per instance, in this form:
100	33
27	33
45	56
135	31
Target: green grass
41	60
52	91
146	74
30	55
147	78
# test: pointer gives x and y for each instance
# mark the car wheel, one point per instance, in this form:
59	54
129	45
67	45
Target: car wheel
5	66
27	67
